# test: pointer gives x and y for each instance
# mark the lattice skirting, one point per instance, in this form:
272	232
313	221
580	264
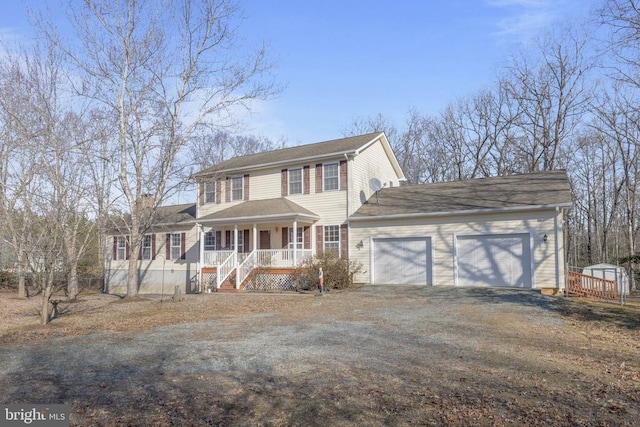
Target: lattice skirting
266	281
209	281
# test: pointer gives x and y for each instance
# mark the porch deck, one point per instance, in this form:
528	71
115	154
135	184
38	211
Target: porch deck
231	270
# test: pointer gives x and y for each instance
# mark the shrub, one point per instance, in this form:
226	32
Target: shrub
338	272
8	280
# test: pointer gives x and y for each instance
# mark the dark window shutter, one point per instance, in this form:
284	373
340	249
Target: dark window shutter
183	246
307	237
227	239
343	174
246	187
153	246
218	191
227	190
319	240
283	183
319	178
140	250
306	179
201	193
344	241
167	244
115	247
246	241
285	237
218	240
128	246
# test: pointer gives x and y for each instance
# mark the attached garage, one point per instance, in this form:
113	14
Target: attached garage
494	260
404	261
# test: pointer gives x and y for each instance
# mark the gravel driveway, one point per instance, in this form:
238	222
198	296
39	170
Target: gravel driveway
374	356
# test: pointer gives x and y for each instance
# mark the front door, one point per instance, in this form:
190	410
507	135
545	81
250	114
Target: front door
265	239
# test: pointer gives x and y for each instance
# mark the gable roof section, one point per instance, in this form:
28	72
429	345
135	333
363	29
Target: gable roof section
164	216
308	152
513	192
260	210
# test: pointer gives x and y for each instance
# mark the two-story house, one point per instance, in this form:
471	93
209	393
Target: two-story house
258	216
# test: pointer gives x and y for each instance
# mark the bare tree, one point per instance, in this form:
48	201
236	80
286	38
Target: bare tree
551	94
161	72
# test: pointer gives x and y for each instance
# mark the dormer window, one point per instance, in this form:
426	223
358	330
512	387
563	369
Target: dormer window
331	176
236	189
295	181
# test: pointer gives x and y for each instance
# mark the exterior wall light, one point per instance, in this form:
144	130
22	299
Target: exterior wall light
545	238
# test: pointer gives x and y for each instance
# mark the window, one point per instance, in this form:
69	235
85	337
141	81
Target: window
121	246
236	188
210	241
210	192
299	238
146	247
330	176
242	234
176	246
332	238
295	181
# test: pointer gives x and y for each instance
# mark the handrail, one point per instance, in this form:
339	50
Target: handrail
225	269
590	286
245	268
214	258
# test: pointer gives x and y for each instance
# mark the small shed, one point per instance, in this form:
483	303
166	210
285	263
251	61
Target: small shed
611	272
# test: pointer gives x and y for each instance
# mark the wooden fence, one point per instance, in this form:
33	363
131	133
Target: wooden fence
592	287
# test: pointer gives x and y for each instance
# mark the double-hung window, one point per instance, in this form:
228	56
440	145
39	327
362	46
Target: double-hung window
299	238
237	188
146	247
121	247
332	238
330	176
176	246
210	241
210	192
295	181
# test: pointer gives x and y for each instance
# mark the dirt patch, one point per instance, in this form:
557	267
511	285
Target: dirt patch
374	356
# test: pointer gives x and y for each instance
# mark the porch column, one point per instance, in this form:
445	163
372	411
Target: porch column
295	242
200	257
255	237
235	240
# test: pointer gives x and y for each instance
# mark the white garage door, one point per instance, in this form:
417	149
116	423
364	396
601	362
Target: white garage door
402	261
494	260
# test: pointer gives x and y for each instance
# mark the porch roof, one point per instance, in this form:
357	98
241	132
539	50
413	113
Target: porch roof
269	210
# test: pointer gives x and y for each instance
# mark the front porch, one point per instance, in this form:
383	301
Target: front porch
258	269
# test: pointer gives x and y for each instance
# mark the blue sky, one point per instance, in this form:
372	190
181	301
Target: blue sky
343	59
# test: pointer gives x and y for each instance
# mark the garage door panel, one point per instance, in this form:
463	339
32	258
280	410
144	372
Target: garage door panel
494	260
402	261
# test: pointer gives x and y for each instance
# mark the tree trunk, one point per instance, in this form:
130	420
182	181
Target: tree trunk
72	284
47	291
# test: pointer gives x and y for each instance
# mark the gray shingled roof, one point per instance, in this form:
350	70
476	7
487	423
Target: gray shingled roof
285	155
165	215
505	192
261	210
176	214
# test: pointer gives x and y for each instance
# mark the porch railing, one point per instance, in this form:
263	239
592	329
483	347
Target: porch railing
590	286
282	257
226	268
245	268
214	258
